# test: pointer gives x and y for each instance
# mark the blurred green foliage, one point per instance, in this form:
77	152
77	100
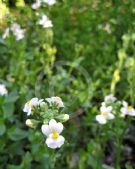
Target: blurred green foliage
75	60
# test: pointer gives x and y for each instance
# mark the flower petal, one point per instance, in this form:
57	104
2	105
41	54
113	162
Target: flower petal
110	116
101	119
34	101
59	127
103	108
123	110
51	143
52	125
109	109
60	141
45	129
26	108
125	104
131	112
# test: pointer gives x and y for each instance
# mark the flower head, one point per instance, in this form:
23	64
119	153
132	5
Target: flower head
45	22
34	102
127	109
50	2
110	98
3	90
55	101
105	114
52	131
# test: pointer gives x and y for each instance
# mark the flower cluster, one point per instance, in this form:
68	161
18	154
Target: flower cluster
109	108
16	30
46	112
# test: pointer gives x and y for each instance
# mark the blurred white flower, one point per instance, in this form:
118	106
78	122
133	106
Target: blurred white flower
105	114
55	101
127	109
3	90
52	131
34	102
36	5
107	28
110	98
6	33
50	2
45	22
17	31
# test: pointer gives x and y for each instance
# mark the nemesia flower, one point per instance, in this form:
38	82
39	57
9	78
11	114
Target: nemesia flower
34	102
36	5
6	33
127	109
3	90
105	114
52	131
55	101
50	2
110	98
45	22
17	31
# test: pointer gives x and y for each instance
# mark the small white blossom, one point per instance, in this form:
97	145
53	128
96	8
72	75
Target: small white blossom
3	90
55	101
45	22
127	109
34	102
17	31
6	33
50	2
36	5
105	114
110	98
52	131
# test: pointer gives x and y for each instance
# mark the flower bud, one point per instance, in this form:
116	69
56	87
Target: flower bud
63	117
31	123
43	106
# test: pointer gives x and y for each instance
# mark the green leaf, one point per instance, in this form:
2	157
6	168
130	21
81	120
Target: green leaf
17	134
12	97
8	109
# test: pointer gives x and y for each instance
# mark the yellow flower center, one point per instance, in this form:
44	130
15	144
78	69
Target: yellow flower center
28	103
130	107
55	135
104	114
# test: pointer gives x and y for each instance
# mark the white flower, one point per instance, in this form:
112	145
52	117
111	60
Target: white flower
6	33
55	101
45	22
50	2
127	109
17	31
36	5
52	131
34	102
3	90
110	98
105	114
